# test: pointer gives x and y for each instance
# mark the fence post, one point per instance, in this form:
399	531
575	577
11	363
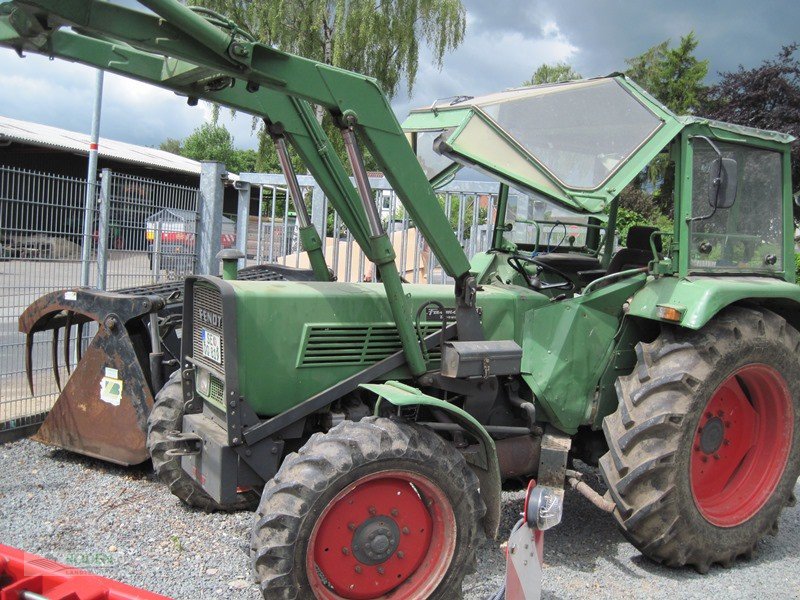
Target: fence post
155	257
242	216
209	211
102	228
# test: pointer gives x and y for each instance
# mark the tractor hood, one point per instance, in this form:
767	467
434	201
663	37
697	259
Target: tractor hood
578	143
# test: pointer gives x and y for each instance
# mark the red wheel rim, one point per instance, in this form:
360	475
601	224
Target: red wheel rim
388	532
741	445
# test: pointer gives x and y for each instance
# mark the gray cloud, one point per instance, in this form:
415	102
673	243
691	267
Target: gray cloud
505	42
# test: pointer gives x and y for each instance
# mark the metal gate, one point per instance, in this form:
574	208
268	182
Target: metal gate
272	236
41	237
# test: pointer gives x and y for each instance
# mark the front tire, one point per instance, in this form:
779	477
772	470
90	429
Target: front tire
369	508
703	448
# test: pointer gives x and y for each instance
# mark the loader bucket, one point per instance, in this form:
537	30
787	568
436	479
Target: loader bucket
102	409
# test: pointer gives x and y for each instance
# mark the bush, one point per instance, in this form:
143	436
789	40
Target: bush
627	218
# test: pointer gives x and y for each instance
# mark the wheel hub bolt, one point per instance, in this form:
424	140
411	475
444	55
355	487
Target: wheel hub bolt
720	413
400	554
351	526
372	510
345	551
395	512
406	530
380	571
358	568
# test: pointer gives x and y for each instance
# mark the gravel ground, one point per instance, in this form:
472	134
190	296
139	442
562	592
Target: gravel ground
123	524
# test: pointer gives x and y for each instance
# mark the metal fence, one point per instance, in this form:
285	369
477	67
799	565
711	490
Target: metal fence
469	206
41	228
134	240
152	228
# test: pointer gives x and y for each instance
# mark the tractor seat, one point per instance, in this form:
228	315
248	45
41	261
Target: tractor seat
637	251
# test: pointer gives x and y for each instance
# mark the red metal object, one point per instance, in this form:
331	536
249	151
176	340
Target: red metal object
24	575
741	445
396	501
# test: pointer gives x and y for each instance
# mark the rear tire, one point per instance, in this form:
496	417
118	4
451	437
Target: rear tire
167	416
371	508
704	448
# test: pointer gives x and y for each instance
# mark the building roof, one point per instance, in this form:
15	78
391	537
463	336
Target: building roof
27	132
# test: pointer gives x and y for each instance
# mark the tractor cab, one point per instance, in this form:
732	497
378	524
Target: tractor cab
562	153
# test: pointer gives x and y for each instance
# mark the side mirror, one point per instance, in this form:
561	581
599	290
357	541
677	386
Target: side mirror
724	173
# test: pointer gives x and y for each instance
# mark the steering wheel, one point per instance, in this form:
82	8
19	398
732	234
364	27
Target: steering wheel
516	261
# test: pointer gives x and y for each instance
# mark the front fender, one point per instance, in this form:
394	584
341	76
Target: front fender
700	298
484	462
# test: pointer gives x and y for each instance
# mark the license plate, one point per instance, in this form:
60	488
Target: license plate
212	345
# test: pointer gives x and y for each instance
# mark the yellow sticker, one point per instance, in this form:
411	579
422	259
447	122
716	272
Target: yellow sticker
111	390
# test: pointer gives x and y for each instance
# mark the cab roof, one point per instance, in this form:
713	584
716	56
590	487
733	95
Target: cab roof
578	143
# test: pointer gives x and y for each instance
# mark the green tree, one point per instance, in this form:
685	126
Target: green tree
674	75
170	145
766	96
555	73
379	38
212	141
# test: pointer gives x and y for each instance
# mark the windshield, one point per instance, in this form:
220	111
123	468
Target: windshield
536	222
581	132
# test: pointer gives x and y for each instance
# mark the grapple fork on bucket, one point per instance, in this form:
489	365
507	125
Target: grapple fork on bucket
102	409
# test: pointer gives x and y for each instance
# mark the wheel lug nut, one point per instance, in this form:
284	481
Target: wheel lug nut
716	456
395	512
728	424
400	554
351	526
709	415
406	530
699	430
720	413
358	568
704	458
345	550
697	448
380	571
726	442
372	510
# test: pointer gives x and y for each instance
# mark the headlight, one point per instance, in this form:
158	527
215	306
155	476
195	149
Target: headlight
203	381
543	507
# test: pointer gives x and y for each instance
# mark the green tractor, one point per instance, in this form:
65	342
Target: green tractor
373	424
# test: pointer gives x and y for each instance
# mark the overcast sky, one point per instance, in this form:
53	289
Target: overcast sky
504	43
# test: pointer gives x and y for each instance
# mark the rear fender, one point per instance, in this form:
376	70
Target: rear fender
484	462
699	299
